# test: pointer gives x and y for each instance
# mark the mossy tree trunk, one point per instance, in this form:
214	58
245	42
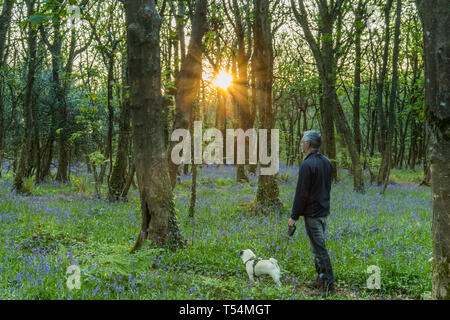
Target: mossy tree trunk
118	179
268	192
159	222
23	170
5	19
436	23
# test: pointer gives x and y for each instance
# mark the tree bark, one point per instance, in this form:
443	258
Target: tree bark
25	154
61	81
149	153
118	176
129	181
383	134
357	76
326	60
180	23
60	108
267	193
252	167
240	87
413	147
109	138
188	80
386	161
194	168
5	19
63	156
436	38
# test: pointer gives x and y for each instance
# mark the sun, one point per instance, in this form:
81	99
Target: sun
223	80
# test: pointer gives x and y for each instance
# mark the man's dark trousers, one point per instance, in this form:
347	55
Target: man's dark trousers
316	229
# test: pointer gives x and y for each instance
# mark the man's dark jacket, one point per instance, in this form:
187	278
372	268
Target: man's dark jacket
312	196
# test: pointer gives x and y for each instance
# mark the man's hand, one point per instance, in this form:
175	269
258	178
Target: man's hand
291	222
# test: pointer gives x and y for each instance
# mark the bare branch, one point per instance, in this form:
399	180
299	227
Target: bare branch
228	15
301	17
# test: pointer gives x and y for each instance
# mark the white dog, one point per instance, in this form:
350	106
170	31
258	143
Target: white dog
258	267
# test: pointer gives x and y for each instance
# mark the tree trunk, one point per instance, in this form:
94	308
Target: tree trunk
267	193
188	80
240	87
149	153
128	182
118	176
298	137
25	154
383	136
386	161
48	153
436	38
344	129
63	156
169	91
36	148
326	60
328	137
357	77
180	23
61	109
402	139
175	40
252	167
413	146
61	79
194	169
221	119
369	119
5	19
109	139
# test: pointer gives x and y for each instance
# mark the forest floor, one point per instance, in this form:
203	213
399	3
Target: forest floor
59	225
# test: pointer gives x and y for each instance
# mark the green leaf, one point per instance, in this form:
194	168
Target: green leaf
36	19
76	135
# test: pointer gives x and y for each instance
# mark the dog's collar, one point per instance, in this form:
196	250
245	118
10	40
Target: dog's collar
251	260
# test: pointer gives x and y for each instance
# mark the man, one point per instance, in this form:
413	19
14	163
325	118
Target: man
312	201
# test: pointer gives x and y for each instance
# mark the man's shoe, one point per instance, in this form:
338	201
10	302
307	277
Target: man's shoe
329	290
324	292
315	284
